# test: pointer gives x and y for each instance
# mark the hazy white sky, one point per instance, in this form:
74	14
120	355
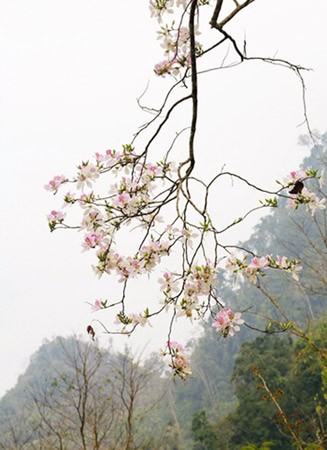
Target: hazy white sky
70	71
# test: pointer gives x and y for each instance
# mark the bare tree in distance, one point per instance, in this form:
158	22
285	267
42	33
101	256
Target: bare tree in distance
93	401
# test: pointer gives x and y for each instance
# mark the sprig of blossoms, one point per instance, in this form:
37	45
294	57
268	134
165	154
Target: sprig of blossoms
133	320
144	261
92	240
175	41
299	194
54	218
312	202
176	44
295	176
180	363
199	283
131	196
169	284
141	319
160	7
227	322
98	304
87	173
258	265
55	183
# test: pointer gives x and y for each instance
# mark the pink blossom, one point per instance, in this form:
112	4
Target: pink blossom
169	284
110	158
259	263
173	345
92	219
188	236
108	261
198	283
139	319
164	67
114	155
317	204
227	323
69	198
129	268
292	203
157	8
233	263
181	3
87	173
310	199
151	254
56	216
91	241
295	176
179	362
54	184
100	157
282	262
97	306
171	232
122	200
182	365
295	269
291	266
153	170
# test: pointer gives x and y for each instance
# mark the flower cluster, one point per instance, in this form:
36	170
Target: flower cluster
176	44
295	176
159	7
227	322
54	218
92	240
113	158
193	286
99	304
179	361
175	41
185	234
55	183
169	284
140	318
299	194
257	265
130	198
87	174
132	320
132	194
142	262
198	283
310	199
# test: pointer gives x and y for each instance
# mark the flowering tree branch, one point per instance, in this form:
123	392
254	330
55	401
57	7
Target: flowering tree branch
168	209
